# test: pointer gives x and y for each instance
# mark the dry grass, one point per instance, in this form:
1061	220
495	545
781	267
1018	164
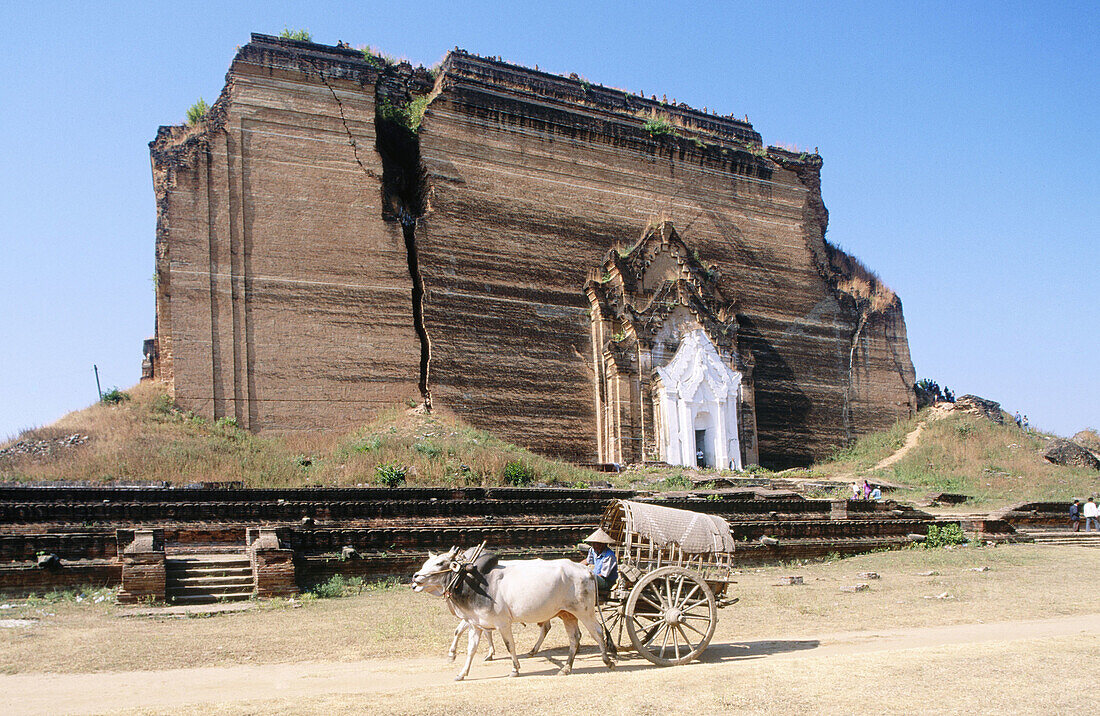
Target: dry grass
1023	582
858	281
868	449
996	465
147	440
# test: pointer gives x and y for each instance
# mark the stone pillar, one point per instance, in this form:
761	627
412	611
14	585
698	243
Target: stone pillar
721	456
272	566
687	431
141	553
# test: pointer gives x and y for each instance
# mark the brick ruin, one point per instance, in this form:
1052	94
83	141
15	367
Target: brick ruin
193	545
530	255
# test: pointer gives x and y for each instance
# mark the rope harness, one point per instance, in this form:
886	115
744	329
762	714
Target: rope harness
459	568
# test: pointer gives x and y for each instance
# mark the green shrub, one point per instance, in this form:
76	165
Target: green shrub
428	450
677	482
943	535
367	444
659	127
300	34
226	422
391	474
114	396
164	405
197	112
338	586
518	474
407	115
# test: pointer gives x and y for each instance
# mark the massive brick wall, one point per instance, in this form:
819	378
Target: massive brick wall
535	177
285	296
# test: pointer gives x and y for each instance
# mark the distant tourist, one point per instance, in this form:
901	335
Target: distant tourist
1092	516
1019	420
1075	515
1025	425
876	494
866	490
856	492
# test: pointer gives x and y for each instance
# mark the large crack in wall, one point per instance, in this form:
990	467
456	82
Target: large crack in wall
403	187
398	145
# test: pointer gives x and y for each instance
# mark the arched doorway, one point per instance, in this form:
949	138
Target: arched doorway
704	440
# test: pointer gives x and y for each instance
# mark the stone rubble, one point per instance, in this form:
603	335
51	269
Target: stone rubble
43	448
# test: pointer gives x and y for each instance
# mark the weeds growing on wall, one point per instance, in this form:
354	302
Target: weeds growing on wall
407	115
197	112
659	127
301	34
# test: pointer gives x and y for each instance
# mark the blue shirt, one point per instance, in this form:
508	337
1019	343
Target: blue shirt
603	564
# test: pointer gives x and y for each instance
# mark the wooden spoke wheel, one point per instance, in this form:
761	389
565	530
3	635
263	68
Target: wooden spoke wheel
611	615
670	616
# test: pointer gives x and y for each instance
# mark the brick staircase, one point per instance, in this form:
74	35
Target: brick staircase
1062	537
207	578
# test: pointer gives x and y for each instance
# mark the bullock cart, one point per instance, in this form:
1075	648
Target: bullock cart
674	575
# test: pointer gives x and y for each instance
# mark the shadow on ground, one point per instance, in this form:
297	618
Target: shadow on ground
547	662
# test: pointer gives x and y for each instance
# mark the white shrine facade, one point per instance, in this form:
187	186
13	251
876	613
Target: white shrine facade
670	383
696	400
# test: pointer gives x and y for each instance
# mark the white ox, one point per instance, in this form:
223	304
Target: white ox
526	591
437	590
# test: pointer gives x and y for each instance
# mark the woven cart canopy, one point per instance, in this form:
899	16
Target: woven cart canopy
694	532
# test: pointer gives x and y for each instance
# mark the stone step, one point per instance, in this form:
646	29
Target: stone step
208	578
208	563
212	580
215	570
211	598
214	590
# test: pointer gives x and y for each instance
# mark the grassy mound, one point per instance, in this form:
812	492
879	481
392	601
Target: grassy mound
147	439
961	453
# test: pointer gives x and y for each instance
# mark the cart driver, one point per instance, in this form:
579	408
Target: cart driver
602	561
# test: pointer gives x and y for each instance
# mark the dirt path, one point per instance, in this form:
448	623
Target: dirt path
179	688
911	441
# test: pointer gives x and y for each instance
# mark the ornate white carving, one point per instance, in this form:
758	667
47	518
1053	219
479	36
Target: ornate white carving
698	384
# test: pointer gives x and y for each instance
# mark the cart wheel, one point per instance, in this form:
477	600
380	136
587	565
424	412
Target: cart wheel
611	614
670	616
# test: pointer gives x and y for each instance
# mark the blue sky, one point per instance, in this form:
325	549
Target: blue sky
960	143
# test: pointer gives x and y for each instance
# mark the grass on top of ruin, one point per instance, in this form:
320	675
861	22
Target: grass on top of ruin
915	588
995	465
146	439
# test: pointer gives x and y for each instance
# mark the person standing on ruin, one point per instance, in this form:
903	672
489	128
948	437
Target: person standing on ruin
1092	516
1019	420
855	490
866	490
1075	515
1025	425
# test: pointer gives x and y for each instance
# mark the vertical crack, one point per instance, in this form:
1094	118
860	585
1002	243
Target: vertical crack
408	228
402	183
403	190
347	129
865	311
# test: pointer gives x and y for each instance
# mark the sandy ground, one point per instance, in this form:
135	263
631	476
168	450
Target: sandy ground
394	684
